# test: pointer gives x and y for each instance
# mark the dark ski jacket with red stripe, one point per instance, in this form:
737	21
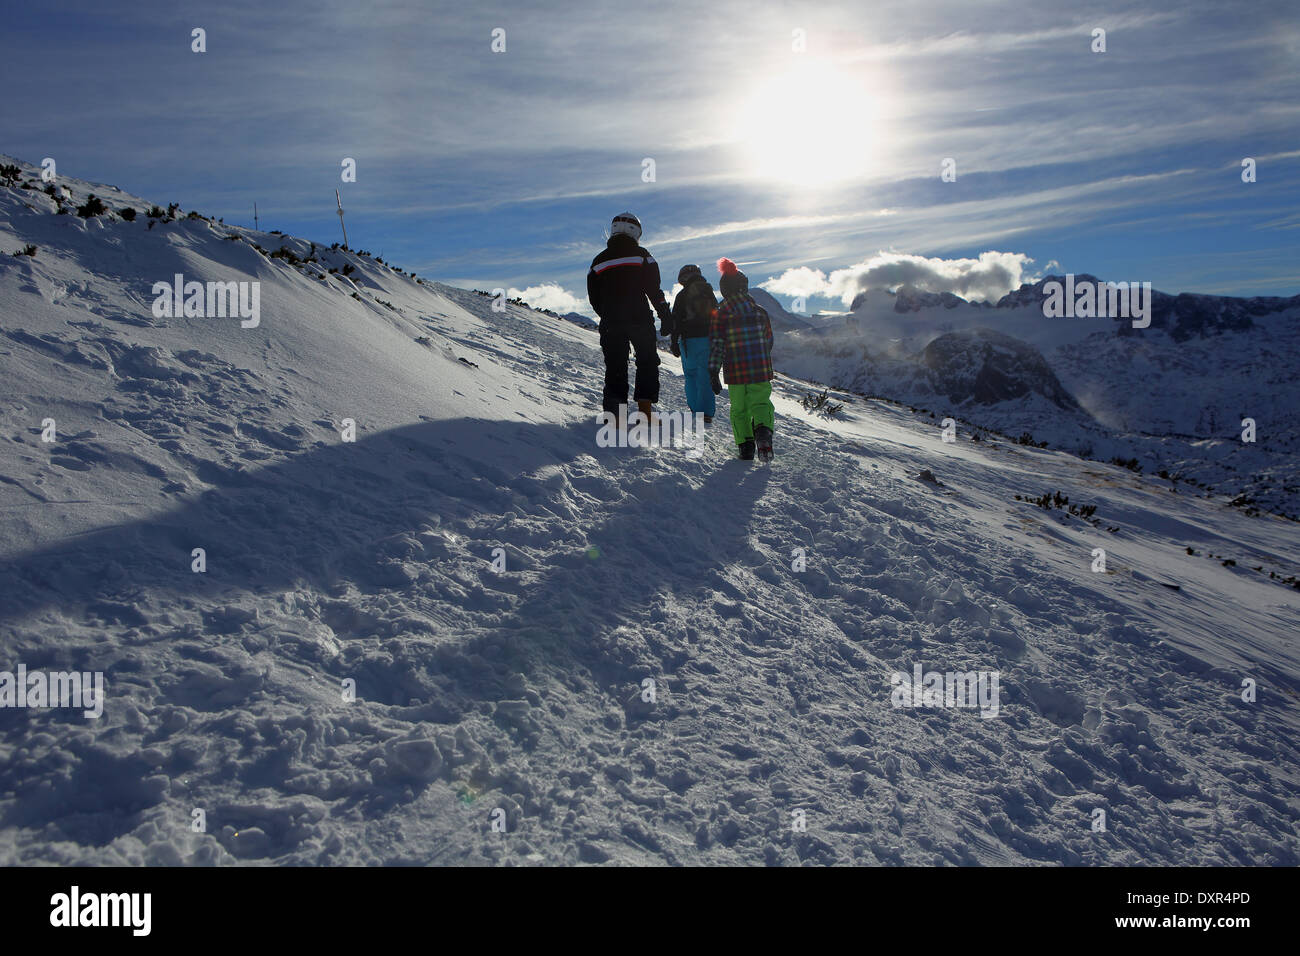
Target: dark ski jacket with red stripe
622	278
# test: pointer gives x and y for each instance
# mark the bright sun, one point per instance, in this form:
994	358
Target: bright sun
808	127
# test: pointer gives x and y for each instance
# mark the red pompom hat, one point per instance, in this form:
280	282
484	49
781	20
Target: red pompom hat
733	281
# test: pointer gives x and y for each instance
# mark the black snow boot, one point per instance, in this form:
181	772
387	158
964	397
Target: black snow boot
747	450
763	436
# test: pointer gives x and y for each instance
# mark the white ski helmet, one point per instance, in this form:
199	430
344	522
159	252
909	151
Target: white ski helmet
626	224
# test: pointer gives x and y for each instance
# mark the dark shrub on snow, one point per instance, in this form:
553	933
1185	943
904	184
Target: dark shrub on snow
92	207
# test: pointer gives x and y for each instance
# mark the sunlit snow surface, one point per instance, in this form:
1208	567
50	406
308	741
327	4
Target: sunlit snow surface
519	696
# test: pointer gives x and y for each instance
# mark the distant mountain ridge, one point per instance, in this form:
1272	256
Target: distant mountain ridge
1184	315
1173	396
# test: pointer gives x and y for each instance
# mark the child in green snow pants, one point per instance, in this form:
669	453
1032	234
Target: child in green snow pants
740	341
751	405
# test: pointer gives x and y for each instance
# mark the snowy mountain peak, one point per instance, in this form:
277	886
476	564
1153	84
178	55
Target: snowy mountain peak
910	299
987	367
782	321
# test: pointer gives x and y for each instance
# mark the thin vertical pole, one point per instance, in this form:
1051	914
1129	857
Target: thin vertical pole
339	200
255	226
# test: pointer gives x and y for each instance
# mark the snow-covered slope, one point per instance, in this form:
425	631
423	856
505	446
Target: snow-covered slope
769	606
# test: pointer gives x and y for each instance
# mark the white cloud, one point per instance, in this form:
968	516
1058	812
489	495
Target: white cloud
550	295
990	276
801	281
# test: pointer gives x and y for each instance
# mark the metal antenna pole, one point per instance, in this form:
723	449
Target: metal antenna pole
339	200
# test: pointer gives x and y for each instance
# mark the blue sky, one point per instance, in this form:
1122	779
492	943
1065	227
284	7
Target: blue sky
818	168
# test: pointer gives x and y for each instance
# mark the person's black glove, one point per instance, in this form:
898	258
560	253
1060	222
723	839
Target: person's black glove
675	349
665	321
716	382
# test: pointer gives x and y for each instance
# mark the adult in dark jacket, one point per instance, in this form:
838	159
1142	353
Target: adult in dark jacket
623	281
692	317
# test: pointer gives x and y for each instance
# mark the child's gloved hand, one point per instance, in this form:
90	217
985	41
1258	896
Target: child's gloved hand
716	382
675	349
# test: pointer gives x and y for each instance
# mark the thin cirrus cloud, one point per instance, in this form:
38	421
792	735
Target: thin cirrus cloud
508	166
1138	120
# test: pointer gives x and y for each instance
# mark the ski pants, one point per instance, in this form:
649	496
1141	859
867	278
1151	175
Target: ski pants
615	341
751	406
695	369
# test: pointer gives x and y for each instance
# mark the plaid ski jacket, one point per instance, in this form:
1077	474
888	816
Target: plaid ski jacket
740	339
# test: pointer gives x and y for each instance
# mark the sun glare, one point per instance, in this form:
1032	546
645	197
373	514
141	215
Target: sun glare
808	127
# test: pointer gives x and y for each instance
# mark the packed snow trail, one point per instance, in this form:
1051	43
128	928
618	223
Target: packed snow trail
519	695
